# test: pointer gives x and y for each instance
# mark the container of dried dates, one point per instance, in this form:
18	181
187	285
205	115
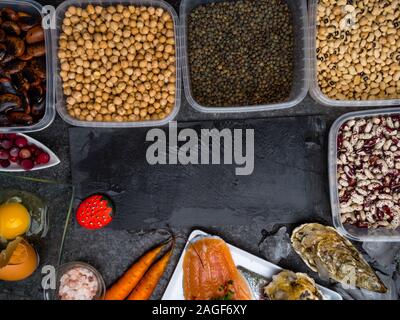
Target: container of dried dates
26	87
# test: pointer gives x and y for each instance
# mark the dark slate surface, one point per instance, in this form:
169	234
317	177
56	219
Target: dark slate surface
126	245
289	155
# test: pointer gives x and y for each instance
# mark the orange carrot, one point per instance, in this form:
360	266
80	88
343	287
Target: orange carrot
128	281
146	286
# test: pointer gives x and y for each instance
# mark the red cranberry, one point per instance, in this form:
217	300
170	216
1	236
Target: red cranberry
4	155
38	151
32	148
43	158
13	159
27	164
25	153
11	136
21	142
6	144
5	163
14	152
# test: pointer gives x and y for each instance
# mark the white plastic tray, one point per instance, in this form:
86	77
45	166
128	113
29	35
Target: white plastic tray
242	258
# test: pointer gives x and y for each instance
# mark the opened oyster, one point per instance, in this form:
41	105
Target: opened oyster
288	285
325	251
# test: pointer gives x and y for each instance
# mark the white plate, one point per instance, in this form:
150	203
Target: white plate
242	258
53	158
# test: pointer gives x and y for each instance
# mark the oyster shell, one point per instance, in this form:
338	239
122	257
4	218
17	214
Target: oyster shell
288	285
325	251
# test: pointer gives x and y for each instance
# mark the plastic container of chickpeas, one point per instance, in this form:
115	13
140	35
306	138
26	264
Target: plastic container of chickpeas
315	90
60	97
300	86
35	9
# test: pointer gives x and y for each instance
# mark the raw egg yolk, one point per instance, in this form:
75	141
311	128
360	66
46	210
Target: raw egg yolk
15	220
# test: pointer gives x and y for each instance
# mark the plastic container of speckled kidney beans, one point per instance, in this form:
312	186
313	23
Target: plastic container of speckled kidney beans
299	88
348	230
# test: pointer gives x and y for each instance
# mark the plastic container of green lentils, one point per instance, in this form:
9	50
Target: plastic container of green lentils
301	63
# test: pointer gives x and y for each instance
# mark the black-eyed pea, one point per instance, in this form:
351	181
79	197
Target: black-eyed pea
375	91
391	90
387	79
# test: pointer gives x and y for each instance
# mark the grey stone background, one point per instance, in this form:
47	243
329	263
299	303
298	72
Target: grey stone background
110	248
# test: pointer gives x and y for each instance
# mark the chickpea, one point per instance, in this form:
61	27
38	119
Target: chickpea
102	28
143	113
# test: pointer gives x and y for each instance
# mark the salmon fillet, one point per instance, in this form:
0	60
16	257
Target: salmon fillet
210	273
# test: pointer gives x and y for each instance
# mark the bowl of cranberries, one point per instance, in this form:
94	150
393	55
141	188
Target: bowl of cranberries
18	152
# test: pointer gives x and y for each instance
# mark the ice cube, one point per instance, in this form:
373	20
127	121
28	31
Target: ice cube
277	246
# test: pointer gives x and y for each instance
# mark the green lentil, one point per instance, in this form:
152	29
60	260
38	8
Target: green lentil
241	53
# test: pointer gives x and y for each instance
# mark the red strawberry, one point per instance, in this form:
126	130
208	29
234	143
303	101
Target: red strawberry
95	212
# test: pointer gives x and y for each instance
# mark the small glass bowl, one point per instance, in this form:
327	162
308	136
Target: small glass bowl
64	268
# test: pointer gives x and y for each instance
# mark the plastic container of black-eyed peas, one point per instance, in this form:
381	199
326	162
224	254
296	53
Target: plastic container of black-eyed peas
315	90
